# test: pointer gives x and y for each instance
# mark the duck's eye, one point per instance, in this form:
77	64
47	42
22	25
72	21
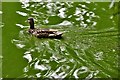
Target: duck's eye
28	20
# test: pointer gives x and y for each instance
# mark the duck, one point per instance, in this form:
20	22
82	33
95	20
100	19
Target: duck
43	33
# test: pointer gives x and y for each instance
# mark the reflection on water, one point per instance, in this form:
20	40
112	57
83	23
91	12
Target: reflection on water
1	24
83	52
0	12
78	14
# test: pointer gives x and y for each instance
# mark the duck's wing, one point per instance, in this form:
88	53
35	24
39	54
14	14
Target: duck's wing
52	33
49	31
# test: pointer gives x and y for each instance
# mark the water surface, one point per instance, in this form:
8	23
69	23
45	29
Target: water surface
87	50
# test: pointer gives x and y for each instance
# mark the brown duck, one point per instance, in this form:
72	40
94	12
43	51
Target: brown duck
43	33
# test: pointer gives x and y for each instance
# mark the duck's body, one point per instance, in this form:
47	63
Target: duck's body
43	33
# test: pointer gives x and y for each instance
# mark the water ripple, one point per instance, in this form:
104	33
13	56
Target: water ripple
77	54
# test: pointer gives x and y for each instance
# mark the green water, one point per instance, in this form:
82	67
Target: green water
0	44
83	52
12	56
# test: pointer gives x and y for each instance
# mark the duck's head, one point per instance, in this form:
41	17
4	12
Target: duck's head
31	22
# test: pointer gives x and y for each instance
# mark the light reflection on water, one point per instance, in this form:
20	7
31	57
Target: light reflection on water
77	54
48	12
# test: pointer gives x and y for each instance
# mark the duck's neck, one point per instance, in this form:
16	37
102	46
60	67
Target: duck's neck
32	25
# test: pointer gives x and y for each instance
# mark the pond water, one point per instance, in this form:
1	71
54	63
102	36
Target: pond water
88	48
